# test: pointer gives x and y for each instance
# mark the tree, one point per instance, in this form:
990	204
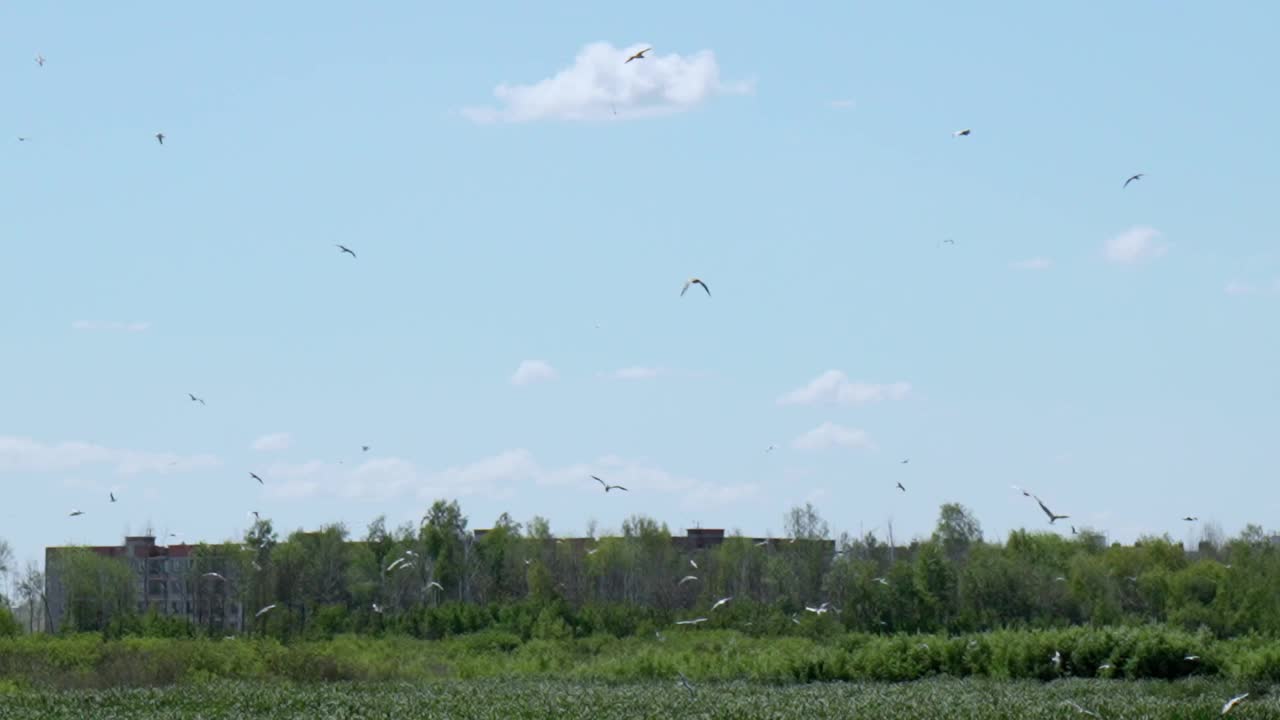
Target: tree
804	523
957	529
99	589
31	591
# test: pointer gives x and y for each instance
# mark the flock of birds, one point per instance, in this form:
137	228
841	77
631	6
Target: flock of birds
407	562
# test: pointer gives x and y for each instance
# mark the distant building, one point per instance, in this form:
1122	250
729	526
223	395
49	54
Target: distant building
163	582
693	540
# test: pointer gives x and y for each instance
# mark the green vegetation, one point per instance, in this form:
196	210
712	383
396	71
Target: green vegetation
88	661
438	580
517	700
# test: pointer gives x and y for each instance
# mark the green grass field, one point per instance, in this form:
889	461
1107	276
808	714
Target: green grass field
512	700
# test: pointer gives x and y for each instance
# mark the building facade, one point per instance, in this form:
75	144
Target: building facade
164	581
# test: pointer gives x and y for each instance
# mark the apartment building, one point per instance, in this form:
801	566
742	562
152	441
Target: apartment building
164	581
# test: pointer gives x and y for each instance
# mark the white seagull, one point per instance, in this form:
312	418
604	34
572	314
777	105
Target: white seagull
695	281
721	601
1047	511
265	610
607	486
694	621
685	579
1233	702
436	585
961	133
213	575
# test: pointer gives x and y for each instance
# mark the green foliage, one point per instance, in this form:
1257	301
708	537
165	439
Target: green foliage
8	625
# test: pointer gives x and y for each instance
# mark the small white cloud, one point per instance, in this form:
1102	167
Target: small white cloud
110	326
835	386
1240	288
636	373
499	476
23	454
532	371
842	104
1035	263
1135	245
601	85
273	442
829	435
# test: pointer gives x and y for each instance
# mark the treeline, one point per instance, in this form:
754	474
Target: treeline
439	579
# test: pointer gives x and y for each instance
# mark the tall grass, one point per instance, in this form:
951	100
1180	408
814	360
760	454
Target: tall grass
1153	652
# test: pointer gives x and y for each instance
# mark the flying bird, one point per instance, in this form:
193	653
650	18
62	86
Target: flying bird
254	513
113	496
255	477
961	133
905	461
21	139
397	563
213	575
608	487
880	580
364	448
694	621
377	609
1233	702
901	488
695	281
721	601
771	448
39	59
1131	179
1190	518
76	513
160	138
196	399
1073	529
693	564
1024	492
265	610
638	56
687	578
344	248
436	585
1049	512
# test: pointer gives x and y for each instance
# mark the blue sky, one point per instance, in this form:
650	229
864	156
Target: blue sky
1112	350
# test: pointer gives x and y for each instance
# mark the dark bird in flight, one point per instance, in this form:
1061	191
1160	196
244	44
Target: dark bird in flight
1190	519
607	486
113	496
22	139
255	477
1049	512
196	399
364	448
638	56
901	488
345	249
75	513
961	133
1073	529
255	515
906	460
1131	179
160	138
39	59
695	281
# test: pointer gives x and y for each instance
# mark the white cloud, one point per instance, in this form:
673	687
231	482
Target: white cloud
829	435
835	386
532	371
500	476
22	454
601	83
1035	263
636	373
1135	245
273	442
1236	287
110	326
841	104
